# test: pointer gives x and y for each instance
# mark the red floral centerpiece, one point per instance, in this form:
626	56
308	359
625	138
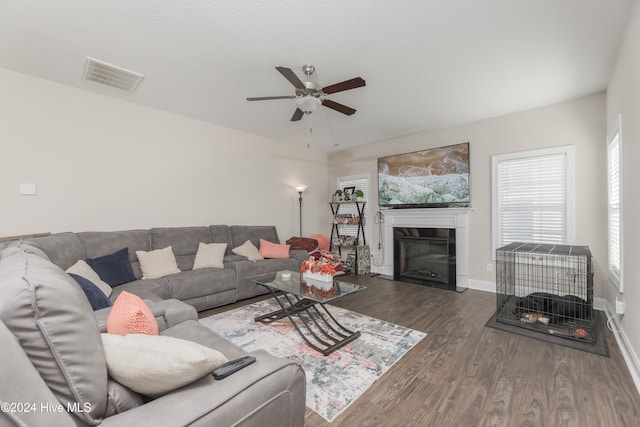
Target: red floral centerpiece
321	269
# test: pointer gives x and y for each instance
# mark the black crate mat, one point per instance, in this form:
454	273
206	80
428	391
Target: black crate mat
599	346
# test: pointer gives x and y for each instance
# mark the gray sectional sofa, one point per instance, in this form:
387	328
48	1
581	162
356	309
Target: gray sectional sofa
54	369
203	289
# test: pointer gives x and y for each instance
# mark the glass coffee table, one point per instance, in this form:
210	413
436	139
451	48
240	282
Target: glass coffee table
304	299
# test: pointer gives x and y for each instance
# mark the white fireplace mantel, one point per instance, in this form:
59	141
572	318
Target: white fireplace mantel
457	218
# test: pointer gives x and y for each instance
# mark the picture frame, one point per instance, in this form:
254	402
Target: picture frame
349	240
350	261
348	193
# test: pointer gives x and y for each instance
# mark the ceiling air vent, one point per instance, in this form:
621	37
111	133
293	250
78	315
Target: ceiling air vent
111	75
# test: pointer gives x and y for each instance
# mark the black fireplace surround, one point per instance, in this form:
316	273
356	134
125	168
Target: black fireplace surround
425	256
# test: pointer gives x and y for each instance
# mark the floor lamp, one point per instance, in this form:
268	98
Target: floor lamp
300	189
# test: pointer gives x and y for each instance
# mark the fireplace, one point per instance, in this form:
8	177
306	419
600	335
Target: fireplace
425	256
448	218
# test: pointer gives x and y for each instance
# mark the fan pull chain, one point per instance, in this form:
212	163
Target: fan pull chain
309	137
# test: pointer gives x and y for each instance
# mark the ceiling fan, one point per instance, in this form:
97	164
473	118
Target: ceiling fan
310	95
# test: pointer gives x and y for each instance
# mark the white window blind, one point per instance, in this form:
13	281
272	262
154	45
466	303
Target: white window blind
532	197
360	183
615	221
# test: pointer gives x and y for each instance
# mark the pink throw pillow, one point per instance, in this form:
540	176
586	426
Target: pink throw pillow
273	250
130	315
323	241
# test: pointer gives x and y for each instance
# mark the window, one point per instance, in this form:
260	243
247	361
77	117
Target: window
361	182
533	197
614	157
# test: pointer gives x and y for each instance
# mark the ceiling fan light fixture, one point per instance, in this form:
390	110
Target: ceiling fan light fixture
308	103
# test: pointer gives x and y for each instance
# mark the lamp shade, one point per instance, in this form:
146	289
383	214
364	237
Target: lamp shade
301	187
308	103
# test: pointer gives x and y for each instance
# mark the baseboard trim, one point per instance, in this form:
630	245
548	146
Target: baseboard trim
629	354
481	285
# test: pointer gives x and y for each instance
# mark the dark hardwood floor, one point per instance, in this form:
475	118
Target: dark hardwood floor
466	374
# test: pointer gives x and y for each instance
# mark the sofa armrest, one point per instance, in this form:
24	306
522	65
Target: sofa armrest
168	313
299	254
267	393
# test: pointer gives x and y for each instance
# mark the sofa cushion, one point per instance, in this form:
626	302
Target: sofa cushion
249	250
114	268
55	325
242	233
210	255
63	249
153	289
197	283
195	331
243	269
155	365
130	315
81	268
98	243
21	383
96	297
157	263
323	241
273	250
121	399
184	241
221	234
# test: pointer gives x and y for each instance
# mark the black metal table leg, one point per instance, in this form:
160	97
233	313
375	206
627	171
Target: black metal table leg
329	335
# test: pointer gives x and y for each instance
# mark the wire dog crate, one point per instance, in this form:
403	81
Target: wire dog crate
546	288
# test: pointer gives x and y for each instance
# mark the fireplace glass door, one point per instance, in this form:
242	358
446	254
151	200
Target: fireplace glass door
425	256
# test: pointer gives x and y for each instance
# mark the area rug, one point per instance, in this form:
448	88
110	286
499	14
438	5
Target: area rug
599	346
333	382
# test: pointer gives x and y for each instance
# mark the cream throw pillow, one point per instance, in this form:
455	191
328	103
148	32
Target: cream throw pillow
81	268
158	263
249	250
210	255
155	365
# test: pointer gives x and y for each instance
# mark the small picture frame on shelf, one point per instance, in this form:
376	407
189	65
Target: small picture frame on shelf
349	240
350	261
348	193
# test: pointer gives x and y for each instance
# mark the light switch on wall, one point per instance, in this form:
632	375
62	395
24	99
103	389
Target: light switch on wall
28	189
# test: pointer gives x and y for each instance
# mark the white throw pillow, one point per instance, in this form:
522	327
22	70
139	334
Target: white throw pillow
210	255
249	250
81	268
155	365
157	263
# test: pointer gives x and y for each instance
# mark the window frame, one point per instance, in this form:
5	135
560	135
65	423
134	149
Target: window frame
615	275
569	152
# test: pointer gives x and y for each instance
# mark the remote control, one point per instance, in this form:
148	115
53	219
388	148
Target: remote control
232	366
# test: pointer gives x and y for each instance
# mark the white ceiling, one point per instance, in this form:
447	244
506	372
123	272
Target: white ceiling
427	63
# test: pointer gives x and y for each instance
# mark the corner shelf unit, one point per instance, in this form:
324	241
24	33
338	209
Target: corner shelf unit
339	220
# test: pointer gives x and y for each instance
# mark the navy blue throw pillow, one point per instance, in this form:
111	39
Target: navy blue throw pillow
115	268
96	297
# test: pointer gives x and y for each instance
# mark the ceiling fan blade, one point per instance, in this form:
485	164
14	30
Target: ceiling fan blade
291	76
338	107
345	85
297	115
266	98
